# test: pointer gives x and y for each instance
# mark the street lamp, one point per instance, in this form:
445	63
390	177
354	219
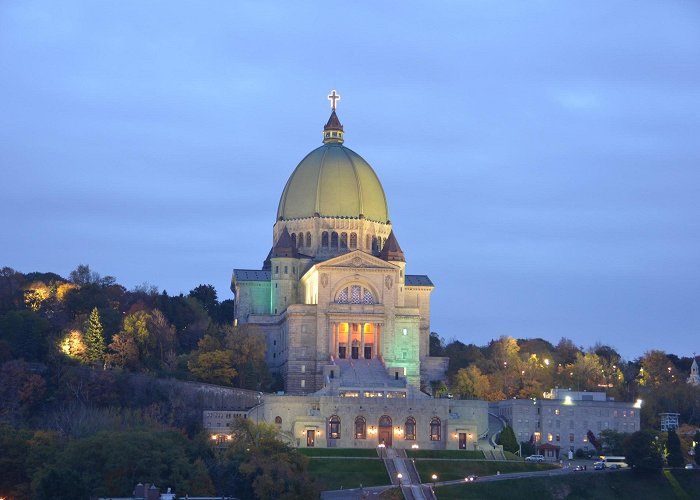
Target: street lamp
399	476
434	477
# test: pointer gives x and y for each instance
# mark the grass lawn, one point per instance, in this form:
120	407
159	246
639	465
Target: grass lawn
451	470
348	473
594	486
338	452
471	454
512	456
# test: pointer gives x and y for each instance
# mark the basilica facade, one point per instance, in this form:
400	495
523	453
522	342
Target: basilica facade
347	327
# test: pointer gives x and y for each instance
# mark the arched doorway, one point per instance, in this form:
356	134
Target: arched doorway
385	430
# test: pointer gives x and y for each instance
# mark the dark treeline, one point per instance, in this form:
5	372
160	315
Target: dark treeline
82	412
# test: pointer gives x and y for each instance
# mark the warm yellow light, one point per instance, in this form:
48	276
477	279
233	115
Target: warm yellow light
546	362
638	403
213	436
567	400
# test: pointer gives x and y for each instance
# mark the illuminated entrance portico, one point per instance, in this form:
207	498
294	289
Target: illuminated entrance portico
354	340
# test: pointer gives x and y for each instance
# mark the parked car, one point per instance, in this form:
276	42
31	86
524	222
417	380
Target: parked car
579	467
599	466
535	458
614	466
688	466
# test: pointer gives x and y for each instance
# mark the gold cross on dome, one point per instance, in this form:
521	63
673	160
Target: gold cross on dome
333	96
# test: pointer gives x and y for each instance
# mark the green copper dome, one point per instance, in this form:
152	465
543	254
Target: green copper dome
333	181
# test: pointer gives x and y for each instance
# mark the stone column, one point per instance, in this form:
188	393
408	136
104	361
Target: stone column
336	340
376	340
362	340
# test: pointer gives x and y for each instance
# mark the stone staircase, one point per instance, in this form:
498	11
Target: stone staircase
369	373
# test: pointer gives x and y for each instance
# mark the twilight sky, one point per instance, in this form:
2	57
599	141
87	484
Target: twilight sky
541	159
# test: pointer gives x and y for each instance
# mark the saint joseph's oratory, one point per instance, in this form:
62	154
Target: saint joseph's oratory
346	326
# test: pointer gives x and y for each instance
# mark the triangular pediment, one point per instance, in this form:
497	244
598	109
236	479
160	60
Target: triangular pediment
356	259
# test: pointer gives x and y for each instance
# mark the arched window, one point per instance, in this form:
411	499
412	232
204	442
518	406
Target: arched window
324	240
435	429
308	240
300	240
355	294
334	427
360	428
385	421
343	240
294	240
410	429
375	249
353	240
368	242
278	421
334	240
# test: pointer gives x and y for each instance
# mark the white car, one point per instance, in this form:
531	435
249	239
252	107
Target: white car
688	466
535	458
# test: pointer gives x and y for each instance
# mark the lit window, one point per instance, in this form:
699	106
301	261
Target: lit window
435	429
410	429
360	428
334	427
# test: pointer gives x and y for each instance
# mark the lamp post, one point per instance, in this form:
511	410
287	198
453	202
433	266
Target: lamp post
399	476
434	478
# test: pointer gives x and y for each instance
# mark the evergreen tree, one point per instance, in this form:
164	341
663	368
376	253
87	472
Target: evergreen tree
642	452
673	448
507	440
94	339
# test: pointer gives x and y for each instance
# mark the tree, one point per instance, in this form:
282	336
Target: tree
642	452
123	352
674	455
437	344
269	467
248	347
82	275
587	370
26	332
507	439
611	441
566	351
94	339
657	369
696	447
471	383
206	295
214	367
